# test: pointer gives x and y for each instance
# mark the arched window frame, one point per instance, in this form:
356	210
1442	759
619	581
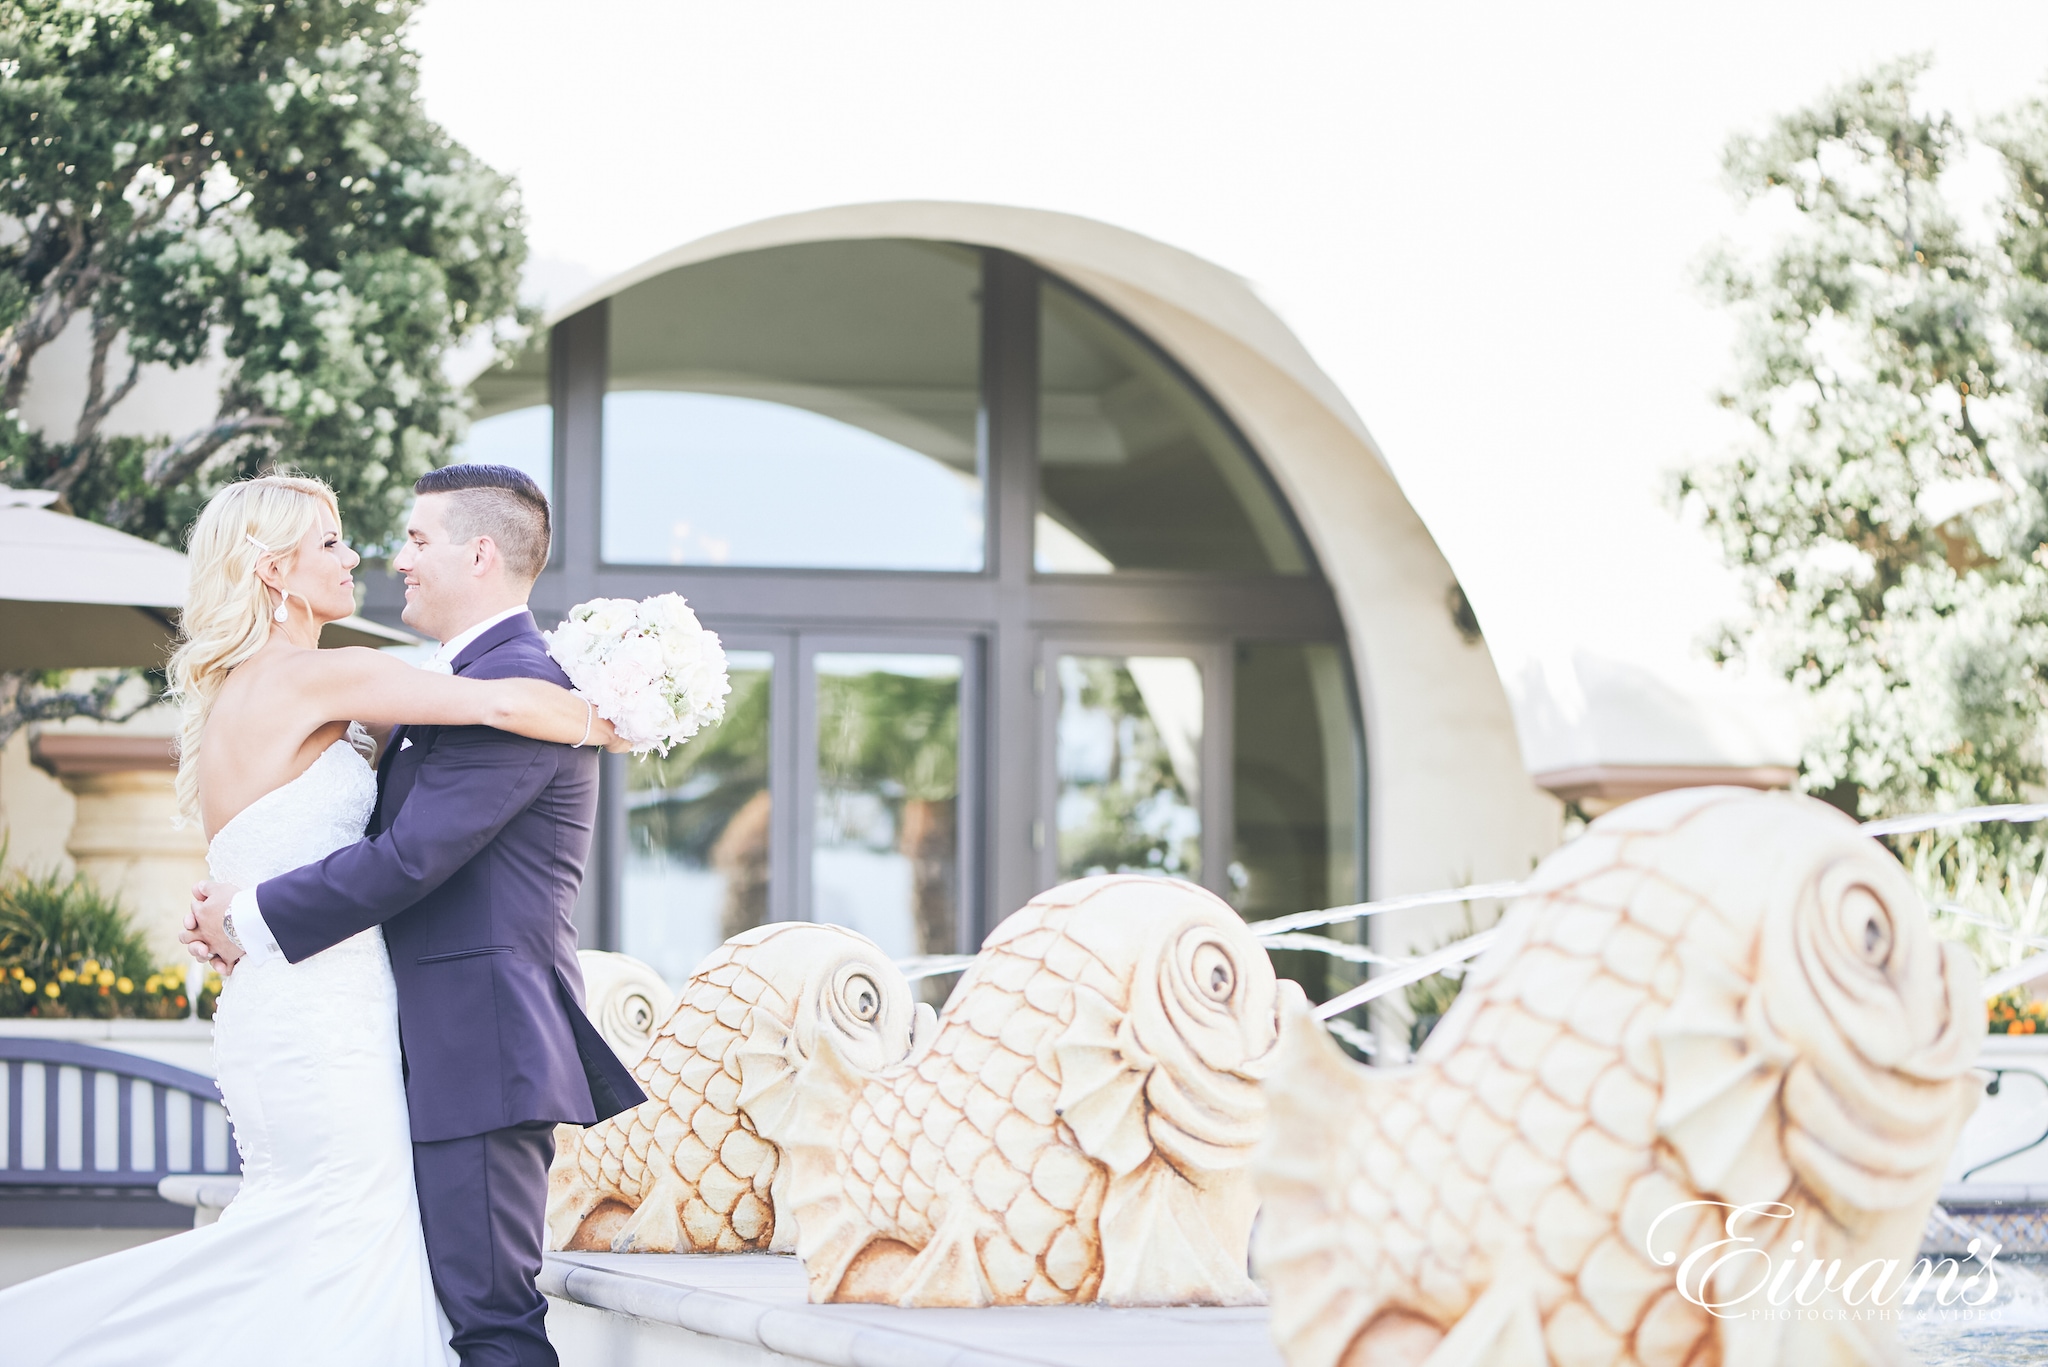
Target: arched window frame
1009	610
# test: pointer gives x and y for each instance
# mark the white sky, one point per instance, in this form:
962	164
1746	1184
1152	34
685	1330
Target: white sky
1483	220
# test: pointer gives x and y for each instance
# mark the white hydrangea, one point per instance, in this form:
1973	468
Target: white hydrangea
650	668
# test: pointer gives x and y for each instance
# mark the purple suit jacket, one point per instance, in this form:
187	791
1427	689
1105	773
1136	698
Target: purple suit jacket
473	859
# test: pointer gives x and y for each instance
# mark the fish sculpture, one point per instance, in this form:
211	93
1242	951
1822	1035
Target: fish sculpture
625	999
687	1170
1712	996
1077	1129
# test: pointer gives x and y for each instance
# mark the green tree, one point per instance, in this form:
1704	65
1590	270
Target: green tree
1889	507
255	184
255	181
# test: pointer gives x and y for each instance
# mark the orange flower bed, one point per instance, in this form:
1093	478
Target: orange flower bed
2012	1013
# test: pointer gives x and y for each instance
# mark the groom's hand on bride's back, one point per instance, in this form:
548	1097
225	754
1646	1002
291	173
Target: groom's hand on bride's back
205	934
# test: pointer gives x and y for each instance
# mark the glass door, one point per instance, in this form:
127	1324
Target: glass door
1135	749
841	786
700	838
888	775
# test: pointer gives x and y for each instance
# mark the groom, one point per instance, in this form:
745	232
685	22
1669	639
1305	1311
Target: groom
471	864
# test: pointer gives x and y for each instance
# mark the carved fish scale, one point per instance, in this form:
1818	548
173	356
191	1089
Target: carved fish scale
1064	1081
687	1170
1622	1049
975	1120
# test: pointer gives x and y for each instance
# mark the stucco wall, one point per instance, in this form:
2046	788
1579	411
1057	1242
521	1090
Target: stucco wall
35	811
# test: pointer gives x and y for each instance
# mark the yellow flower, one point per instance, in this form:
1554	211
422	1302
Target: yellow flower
28	984
50	989
106	978
124	985
90	969
65	975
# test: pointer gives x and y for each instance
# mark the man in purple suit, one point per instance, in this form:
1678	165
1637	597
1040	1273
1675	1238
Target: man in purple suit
471	864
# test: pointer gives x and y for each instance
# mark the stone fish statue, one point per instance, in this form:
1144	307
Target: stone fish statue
687	1171
625	999
1713	995
1077	1130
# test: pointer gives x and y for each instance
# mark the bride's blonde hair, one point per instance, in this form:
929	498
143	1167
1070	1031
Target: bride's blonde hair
227	615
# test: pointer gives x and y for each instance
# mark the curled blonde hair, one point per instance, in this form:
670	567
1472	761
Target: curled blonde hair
227	615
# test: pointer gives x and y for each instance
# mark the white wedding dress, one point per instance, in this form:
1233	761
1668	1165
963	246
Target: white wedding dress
320	1257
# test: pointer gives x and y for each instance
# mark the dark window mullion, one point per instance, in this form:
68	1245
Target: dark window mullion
785	743
1010	436
804	776
1219	816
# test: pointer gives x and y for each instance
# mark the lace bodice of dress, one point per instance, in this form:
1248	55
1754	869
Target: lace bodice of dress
307	819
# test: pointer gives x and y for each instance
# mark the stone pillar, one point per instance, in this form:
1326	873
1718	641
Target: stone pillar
122	837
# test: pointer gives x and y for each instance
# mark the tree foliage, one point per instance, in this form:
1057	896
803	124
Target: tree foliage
1890	505
259	183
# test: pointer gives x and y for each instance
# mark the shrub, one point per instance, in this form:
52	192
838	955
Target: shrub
2015	1013
69	950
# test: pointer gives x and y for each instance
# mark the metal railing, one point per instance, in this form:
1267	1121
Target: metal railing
76	1116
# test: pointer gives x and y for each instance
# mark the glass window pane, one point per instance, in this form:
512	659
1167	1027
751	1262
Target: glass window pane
1295	788
1129	747
697	833
812	406
1135	470
513	422
885	850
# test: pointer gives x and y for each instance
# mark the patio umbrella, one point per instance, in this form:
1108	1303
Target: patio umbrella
75	594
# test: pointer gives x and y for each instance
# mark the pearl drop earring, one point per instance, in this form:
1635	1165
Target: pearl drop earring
279	616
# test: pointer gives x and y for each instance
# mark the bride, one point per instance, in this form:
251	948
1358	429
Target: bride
320	1257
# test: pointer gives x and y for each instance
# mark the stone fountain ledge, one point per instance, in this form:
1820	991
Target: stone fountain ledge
626	1310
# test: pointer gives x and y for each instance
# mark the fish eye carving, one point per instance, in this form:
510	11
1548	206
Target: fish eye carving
639	1013
1874	935
863	998
1215	976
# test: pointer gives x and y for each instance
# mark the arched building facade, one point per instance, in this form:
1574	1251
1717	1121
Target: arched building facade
1040	548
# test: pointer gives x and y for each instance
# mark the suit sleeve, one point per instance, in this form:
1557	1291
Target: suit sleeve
475	781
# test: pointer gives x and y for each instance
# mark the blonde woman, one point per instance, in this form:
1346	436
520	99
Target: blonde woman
321	1256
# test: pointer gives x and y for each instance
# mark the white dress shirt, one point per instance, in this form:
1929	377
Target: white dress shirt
258	944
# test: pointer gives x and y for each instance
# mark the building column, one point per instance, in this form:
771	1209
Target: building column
123	838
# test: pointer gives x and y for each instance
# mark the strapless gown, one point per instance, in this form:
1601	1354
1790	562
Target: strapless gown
320	1258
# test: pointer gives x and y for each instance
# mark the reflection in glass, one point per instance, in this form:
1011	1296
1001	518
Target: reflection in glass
885	854
1136	472
1295	786
712	479
523	439
514	421
1129	746
811	406
697	833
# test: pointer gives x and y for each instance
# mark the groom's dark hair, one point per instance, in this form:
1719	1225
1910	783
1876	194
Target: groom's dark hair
499	502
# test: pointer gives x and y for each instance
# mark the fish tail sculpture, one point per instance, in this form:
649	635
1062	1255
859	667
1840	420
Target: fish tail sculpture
687	1170
1076	1130
1713	999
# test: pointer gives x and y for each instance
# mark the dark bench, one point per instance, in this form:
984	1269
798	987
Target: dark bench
86	1134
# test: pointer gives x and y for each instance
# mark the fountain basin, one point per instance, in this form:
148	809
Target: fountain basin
742	1309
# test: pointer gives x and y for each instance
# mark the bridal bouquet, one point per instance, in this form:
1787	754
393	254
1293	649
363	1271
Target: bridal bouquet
650	668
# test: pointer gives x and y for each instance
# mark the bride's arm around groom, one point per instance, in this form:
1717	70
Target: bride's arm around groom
472	863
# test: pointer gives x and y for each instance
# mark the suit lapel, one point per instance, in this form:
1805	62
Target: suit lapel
392	785
518	624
